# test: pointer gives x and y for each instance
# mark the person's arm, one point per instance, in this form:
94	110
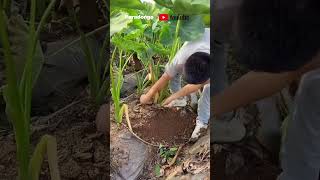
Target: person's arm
186	90
160	84
249	88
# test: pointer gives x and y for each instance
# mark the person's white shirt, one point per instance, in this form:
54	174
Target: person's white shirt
188	48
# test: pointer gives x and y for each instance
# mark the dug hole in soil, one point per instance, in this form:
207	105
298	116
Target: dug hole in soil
169	127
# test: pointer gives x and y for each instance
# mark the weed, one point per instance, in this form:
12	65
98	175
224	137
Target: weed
167	153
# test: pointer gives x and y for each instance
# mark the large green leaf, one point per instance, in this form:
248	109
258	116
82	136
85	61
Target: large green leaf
158	49
131	4
165	3
191	7
166	35
130	45
186	7
119	22
190	30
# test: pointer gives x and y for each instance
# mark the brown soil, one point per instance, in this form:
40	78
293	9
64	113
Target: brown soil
83	153
168	126
253	168
171	127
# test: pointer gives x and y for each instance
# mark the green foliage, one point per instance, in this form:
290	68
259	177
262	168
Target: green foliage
166	152
132	4
157	170
142	82
119	22
191	7
154	38
47	144
96	68
186	7
17	94
116	78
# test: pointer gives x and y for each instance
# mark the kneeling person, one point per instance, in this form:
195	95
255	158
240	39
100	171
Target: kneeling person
193	63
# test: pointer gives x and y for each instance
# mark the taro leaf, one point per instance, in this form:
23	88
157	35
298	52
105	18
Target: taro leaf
191	7
159	49
130	4
157	170
192	29
118	22
148	32
166	35
130	45
165	3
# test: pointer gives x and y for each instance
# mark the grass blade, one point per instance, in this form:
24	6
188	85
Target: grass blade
14	107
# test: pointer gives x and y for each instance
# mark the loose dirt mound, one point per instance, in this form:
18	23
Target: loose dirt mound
156	124
165	126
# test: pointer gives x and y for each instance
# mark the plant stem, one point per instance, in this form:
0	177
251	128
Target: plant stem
78	39
175	42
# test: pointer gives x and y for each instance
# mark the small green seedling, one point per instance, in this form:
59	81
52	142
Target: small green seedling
157	170
167	153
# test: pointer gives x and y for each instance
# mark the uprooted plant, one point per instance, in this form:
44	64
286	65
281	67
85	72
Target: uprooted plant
17	94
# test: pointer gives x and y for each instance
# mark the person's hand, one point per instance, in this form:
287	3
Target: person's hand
167	102
145	99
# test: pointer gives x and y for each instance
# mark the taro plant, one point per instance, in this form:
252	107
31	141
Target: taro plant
97	68
116	78
17	94
142	82
154	38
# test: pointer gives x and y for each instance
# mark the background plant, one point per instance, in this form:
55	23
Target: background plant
17	94
142	82
116	78
97	68
152	40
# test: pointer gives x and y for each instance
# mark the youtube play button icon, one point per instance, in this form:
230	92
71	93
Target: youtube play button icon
163	17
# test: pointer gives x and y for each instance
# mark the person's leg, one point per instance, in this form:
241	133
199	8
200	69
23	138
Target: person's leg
204	105
203	112
228	128
175	84
301	149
